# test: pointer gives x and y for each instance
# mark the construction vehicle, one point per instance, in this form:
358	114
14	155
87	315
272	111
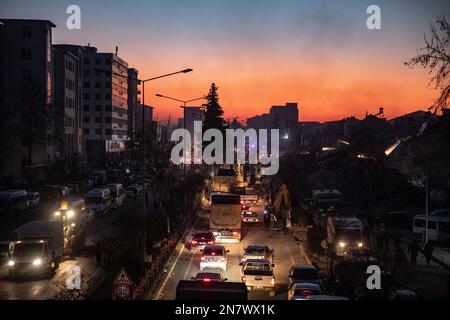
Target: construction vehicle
341	230
36	247
74	216
225	218
282	208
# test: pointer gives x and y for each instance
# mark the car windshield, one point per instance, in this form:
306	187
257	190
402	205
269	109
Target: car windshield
213	252
255	268
250	214
255	250
27	249
206	275
305	274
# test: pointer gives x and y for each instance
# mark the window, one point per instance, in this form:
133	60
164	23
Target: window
98	131
86	131
86	61
26	32
108	120
86	96
108	108
98	96
108	61
86	107
108	132
98	119
98	108
107	96
98	85
86	119
86	73
26	54
98	61
108	84
86	84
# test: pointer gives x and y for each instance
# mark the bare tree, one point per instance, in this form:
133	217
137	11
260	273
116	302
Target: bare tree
435	57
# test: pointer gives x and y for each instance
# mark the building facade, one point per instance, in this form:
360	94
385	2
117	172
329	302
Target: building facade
105	106
26	98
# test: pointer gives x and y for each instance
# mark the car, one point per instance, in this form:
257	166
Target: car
209	277
201	238
300	273
404	295
300	291
258	274
33	199
214	257
256	252
249	217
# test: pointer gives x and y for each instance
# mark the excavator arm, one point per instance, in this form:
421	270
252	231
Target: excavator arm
282	205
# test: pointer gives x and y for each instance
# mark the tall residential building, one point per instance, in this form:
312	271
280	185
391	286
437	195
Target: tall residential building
67	69
133	101
26	98
105	106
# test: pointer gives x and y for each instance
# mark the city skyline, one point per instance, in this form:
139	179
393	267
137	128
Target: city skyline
319	55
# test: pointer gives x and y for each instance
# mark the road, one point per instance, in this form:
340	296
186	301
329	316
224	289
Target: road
286	253
35	288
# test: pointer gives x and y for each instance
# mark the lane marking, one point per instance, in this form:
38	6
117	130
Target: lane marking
189	265
158	295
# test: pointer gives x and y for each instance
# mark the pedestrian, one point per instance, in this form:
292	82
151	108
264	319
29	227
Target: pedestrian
428	250
413	250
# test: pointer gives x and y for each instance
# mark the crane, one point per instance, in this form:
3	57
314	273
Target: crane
282	205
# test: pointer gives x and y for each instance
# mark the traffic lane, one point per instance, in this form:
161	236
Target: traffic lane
286	253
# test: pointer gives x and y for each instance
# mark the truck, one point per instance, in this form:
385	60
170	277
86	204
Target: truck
258	274
248	195
36	247
225	218
342	230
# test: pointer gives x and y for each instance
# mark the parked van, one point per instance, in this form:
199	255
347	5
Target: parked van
99	200
117	194
11	200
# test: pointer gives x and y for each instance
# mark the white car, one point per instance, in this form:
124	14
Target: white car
214	257
301	291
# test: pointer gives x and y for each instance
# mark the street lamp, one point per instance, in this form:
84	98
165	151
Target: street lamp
184	107
143	82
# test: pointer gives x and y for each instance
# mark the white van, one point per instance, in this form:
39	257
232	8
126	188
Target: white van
13	200
99	200
117	194
438	225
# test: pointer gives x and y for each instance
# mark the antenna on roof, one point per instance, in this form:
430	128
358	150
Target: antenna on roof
117	50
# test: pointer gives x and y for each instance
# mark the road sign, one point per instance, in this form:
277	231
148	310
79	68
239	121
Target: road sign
122	291
123	278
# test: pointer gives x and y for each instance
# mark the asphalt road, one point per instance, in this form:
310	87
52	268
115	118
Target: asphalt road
286	253
41	288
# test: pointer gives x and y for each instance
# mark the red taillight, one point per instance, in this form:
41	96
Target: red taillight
206	280
194	242
202	258
210	242
223	259
305	292
235	233
243	279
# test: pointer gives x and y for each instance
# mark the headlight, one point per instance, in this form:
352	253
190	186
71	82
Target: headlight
70	213
360	244
57	213
37	262
11	263
342	244
73	225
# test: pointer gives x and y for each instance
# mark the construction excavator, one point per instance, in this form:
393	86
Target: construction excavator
282	208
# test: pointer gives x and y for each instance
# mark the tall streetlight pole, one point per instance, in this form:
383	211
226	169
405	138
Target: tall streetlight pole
143	82
184	107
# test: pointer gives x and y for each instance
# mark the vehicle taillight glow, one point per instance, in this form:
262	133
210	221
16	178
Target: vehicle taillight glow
202	258
210	242
243	279
305	292
272	281
223	259
206	280
194	242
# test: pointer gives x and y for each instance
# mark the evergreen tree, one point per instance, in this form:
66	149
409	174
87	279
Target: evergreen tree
213	111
